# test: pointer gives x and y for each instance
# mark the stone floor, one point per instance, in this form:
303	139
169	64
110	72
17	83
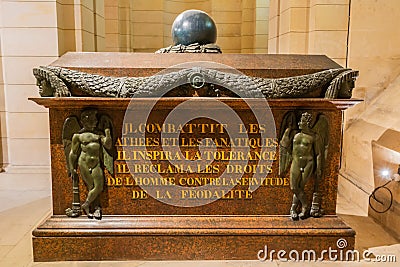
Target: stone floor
25	202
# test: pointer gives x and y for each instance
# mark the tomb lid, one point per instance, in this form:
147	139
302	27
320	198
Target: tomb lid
146	64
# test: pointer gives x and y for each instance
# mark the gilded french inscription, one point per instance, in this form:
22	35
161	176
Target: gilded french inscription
145	151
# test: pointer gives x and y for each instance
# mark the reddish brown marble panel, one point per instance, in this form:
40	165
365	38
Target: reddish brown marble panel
184	238
267	200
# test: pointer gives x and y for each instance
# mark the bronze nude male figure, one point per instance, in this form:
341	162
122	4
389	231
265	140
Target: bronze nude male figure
88	151
305	149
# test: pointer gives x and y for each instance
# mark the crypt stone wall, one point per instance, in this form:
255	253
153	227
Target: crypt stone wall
309	27
374	49
37	32
145	26
28	38
362	35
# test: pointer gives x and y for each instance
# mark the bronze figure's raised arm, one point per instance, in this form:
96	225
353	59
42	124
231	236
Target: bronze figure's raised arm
304	149
90	151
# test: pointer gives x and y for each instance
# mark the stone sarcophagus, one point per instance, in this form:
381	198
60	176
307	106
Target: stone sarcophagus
166	157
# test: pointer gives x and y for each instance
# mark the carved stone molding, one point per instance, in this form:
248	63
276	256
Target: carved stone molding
61	82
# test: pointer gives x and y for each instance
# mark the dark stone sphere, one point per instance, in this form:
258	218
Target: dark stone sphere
193	26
